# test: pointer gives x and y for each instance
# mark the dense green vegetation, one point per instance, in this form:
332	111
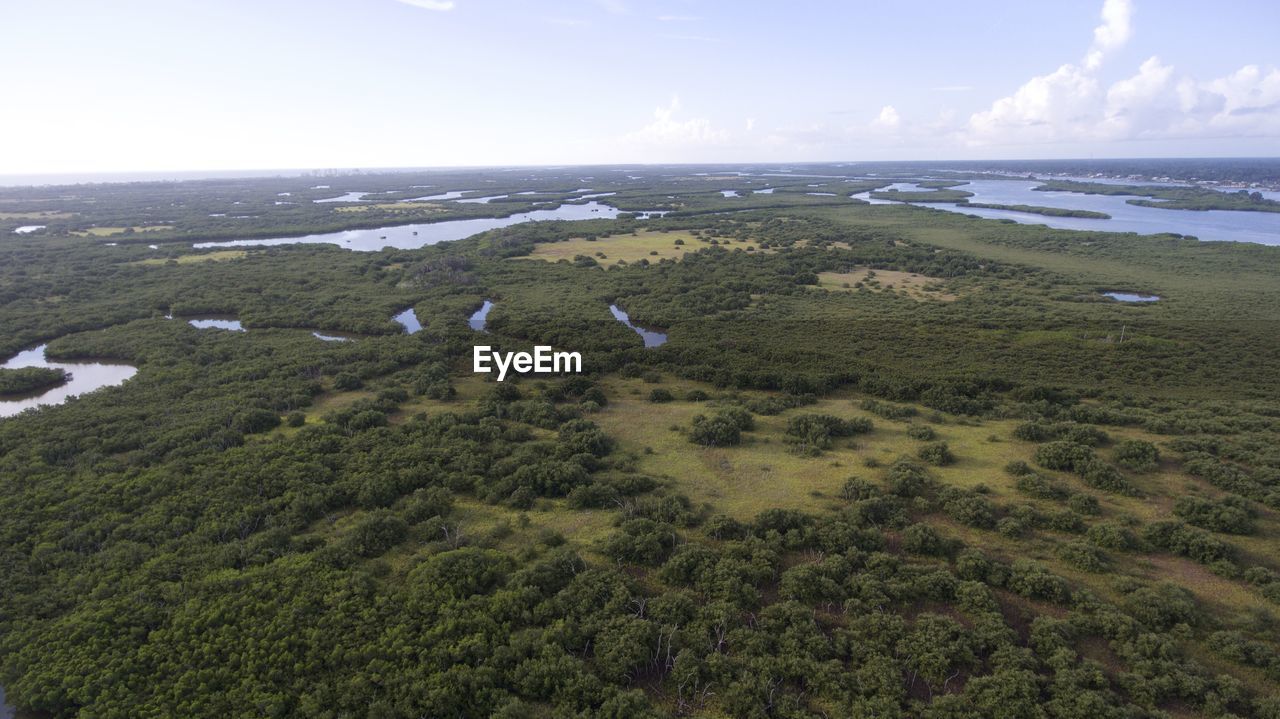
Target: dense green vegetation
969	500
1039	210
26	380
1172	198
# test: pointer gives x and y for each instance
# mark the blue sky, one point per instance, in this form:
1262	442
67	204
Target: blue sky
239	84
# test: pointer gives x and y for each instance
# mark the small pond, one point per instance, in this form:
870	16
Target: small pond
409	320
86	376
651	338
480	317
216	322
1131	297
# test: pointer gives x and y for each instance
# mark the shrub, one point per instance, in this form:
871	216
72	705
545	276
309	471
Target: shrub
908	480
376	534
347	381
922	432
923	539
1112	535
1040	487
1017	468
660	395
971	510
1186	541
1100	475
1084	504
888	410
817	430
1034	581
1064	456
1137	455
936	453
1231	514
1161	606
1083	556
717	431
855	489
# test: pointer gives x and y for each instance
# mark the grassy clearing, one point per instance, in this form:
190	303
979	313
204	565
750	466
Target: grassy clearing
113	231
37	215
918	287
647	245
762	473
468	387
218	256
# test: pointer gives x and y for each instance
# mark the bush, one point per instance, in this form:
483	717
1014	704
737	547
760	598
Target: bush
1161	606
1231	514
817	430
1112	535
1084	504
660	395
642	541
696	395
923	539
922	432
1137	455
855	489
908	480
1034	581
1040	487
1100	475
888	410
971	510
1017	468
1064	456
936	453
346	381
376	534
1084	556
717	431
1186	541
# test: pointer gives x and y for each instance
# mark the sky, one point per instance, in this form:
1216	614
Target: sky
167	85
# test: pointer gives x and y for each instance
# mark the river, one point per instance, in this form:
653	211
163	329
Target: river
410	237
1212	225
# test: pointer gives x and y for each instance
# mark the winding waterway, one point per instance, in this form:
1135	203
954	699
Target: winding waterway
651	338
85	377
410	237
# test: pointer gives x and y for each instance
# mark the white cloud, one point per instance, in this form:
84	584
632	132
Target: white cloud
667	130
1073	104
888	118
1113	33
438	5
751	124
